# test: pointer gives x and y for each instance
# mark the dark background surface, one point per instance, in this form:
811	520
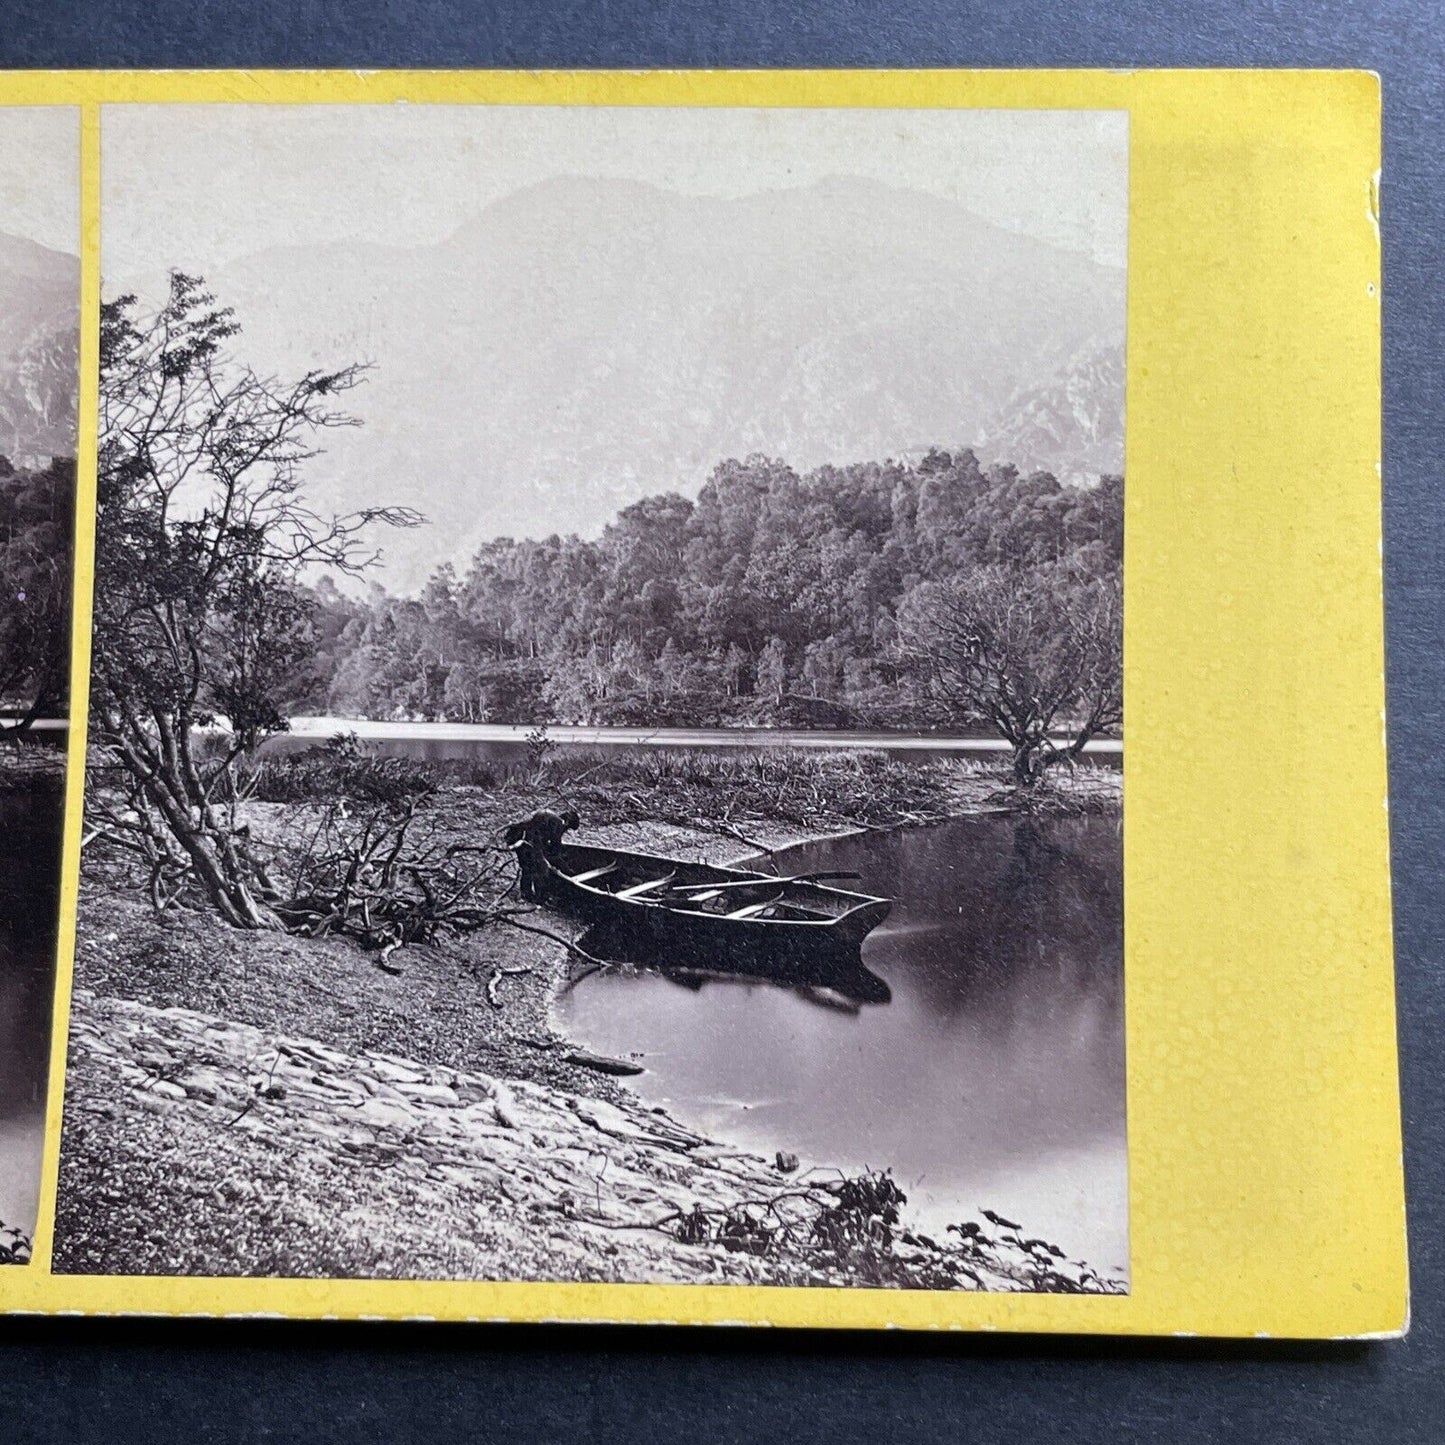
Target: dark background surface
124	1380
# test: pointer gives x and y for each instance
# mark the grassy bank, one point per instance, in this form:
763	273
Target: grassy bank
179	1156
806	790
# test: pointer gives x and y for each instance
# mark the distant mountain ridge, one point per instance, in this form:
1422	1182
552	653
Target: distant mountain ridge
39	344
583	342
1071	424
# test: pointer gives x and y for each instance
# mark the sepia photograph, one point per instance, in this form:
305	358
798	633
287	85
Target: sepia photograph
39	382
605	737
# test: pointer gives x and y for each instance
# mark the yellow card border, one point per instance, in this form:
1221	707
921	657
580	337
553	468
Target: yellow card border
1265	1178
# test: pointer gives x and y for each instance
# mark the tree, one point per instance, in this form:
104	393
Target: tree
734	669
574	684
674	670
1029	651
772	669
822	666
36	511
202	538
465	692
692	594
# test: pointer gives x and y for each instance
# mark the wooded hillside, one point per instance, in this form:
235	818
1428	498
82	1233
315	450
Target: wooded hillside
37	519
774	598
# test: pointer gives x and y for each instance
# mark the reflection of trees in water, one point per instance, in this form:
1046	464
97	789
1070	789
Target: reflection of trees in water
30	830
1006	918
1031	859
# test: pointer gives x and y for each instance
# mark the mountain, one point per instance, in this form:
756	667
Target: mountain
583	342
1071	424
39	338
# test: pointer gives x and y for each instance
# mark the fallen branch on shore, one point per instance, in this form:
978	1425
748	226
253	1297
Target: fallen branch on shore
498	974
726	830
575	949
623	1068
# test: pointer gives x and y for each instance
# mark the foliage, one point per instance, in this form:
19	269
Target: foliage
202	537
774	599
15	1245
539	748
807	787
321	773
36	517
862	1216
840	1218
849	1228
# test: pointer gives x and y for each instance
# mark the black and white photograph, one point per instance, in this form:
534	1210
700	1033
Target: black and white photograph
39	382
605	737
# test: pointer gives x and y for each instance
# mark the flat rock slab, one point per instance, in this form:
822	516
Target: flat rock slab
382	1162
197	1146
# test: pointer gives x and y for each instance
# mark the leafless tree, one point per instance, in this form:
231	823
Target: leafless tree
1035	653
202	539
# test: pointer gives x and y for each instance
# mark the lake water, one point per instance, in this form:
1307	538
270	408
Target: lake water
30	835
994	1077
504	742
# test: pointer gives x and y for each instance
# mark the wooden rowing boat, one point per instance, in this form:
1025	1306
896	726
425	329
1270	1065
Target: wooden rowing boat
696	915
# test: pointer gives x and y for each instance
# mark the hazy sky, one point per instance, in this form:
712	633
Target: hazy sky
618	357
40	175
199	186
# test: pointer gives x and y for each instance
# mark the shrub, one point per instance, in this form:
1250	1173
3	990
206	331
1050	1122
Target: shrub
14	1245
342	772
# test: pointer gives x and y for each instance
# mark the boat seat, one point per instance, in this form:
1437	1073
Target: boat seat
705	897
592	874
751	911
637	890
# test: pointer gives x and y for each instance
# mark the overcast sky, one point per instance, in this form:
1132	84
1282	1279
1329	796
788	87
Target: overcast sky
40	175
615	357
199	186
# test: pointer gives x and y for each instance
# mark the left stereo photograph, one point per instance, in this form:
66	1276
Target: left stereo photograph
39	371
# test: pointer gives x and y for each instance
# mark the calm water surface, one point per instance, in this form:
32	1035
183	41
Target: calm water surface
995	1075
993	1078
30	832
506	743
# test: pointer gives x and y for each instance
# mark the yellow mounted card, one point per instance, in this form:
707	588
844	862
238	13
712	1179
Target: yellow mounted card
697	697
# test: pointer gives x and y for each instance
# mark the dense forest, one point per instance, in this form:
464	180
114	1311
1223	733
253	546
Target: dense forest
774	598
36	519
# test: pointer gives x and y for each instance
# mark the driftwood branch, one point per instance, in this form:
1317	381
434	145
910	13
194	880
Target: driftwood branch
498	974
576	950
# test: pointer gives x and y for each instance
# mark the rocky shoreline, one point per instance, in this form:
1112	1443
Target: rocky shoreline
229	1150
266	1104
310	1161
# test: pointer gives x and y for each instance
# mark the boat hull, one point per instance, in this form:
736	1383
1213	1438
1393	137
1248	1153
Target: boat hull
823	951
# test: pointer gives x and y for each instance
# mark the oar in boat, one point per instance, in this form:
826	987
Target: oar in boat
764	882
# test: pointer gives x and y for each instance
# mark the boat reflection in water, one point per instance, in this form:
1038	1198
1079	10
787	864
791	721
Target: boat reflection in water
995	1074
836	978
